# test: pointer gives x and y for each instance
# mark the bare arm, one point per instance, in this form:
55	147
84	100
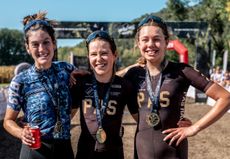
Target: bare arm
73	112
12	127
222	104
135	117
122	72
77	73
140	62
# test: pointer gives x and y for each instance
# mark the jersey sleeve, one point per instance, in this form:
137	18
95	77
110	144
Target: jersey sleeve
14	94
64	65
76	92
70	67
132	103
196	78
129	74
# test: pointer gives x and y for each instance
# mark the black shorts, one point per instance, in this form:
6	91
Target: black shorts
50	149
110	154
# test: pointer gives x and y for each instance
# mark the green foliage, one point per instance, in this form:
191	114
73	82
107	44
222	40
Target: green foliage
12	50
126	51
191	50
172	55
64	52
129	57
213	12
176	10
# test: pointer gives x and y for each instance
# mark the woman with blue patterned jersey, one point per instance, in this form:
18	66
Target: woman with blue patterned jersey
42	93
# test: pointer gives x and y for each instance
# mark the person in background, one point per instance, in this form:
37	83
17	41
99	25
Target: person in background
227	85
42	93
162	86
217	75
225	80
102	97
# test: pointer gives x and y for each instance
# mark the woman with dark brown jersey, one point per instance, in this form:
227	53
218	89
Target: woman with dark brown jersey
162	86
102	97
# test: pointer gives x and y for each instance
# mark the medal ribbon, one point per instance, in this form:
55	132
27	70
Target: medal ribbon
153	96
100	111
54	98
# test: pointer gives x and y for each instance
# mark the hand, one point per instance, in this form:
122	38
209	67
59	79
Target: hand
179	134
27	137
184	122
76	73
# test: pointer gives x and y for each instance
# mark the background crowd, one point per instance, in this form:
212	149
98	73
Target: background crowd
221	77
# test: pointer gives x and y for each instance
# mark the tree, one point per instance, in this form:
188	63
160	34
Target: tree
177	10
12	49
215	14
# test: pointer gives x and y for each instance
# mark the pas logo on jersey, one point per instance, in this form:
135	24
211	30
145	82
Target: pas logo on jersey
89	90
142	84
116	86
117	92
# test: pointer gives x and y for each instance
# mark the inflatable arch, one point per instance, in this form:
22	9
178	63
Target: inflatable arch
180	49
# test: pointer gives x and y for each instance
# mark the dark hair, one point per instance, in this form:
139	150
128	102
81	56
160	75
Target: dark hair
101	35
36	22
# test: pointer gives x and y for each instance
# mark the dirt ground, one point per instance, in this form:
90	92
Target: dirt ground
212	143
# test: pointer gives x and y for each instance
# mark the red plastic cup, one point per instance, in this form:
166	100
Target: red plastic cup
35	130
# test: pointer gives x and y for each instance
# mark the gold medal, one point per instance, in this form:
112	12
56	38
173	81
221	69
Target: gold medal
101	135
153	119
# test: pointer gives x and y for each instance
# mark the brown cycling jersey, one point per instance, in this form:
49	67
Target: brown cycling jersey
121	93
176	79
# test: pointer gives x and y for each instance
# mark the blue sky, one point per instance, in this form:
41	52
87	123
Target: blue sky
12	11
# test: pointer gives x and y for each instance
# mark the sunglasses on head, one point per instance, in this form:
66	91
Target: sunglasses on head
101	34
153	18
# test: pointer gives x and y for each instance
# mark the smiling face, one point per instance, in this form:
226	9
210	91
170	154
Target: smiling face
101	59
152	44
41	47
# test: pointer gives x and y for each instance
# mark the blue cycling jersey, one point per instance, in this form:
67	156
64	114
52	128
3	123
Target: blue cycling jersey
42	96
